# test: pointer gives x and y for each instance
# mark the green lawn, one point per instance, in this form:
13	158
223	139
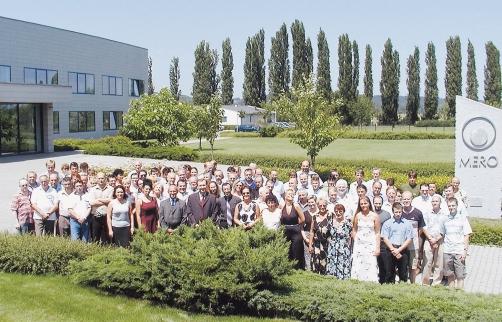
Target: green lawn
43	298
349	149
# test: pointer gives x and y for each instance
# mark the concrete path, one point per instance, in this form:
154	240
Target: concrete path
484	270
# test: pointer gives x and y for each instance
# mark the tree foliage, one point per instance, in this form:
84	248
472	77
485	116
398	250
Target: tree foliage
278	64
472	80
174	77
368	73
354	93
431	84
205	78
345	78
389	83
214	117
227	79
453	74
493	85
323	67
302	54
150	89
413	84
158	116
254	70
362	110
316	127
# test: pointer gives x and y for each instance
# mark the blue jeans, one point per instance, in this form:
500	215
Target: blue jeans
26	229
79	231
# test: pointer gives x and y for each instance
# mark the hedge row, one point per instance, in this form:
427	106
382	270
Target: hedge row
29	254
486	232
435	123
369	135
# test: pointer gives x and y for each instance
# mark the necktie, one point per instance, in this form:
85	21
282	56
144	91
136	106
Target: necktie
229	213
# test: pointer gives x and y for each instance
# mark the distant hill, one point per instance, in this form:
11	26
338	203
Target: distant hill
377	100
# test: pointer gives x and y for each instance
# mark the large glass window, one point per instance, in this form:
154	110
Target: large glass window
112	120
112	85
81	83
82	122
136	87
55	122
20	129
4	74
40	76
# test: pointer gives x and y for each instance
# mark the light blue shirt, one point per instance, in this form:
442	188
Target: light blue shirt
397	231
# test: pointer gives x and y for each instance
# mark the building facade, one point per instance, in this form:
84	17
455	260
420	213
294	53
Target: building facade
243	115
58	83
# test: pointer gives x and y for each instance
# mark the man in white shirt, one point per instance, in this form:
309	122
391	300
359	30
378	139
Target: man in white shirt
433	250
305	168
137	168
79	211
278	187
448	194
100	196
44	202
423	202
359	176
376	178
65	201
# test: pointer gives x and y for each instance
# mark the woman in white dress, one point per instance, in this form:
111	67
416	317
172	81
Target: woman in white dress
271	215
366	235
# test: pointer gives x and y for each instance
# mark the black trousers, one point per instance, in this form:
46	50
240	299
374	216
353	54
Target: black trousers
98	229
401	265
384	265
121	236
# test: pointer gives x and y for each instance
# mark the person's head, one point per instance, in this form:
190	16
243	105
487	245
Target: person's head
271	201
173	191
361	191
84	167
399	196
376	174
67	185
142	174
85	179
436	202
377	188
448	191
74	168
158	189
118	174
292	182
112	181
289	195
138	166
412	178
390	182
332	194
359	175
258	172
101	179
259	181
312	203
274	175
194	172
53	180
79	187
246	194
424	190
214	188
202	185
65	169
397	210
50	165
126	182
134	180
314	181
302	195
171	178
377	203
334	173
339	210
218	176
364	205
147	187
331	182
304	179
305	166
193	183
182	174
455	182
452	205
262	193
227	189
292	174
341	188
391	194
232	177
432	189
182	186
31	176
207	176
154	172
23	185
237	187
406	199
248	174
44	181
270	186
322	204
119	192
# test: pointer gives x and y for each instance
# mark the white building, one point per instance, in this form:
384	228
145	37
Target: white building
242	115
59	83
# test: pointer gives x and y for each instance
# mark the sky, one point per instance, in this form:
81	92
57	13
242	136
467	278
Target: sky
174	28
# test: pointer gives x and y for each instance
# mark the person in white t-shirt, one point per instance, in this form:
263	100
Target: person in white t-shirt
376	178
79	213
423	202
44	202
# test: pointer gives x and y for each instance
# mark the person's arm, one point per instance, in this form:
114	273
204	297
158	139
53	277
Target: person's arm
256	215
301	216
86	213
131	217
138	211
236	216
377	234
109	220
311	237
354	226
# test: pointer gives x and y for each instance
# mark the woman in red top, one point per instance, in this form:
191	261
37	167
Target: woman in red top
147	210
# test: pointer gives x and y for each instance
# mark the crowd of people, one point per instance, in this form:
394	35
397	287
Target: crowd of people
366	230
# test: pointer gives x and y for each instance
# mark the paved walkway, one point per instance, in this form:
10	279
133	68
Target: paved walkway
484	263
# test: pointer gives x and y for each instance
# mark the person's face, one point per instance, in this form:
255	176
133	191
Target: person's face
137	166
335	174
341	189
65	170
154	172
44	182
201	186
436	202
120	177
134	180
182	175
312	205
377	189
399	197
157	190
246	194
218	175
289	196
377	203
142	175
302	196
432	189
315	184
231	178
273	176
339	213
259	182
359	176
79	188
239	186
119	193
146	190
112	181
363	203
331	183
127	185
406	199
193	183
182	186
270	186
140	184
452	207
332	195
207	176
397	213
50	168
248	174
85	180
448	192
194	172
32	178
304	180
361	192
412	180
391	194
305	166
213	188
73	170
67	185
171	178
376	174
292	183
271	205
424	191
173	192
24	186
53	181
323	207
258	172
227	191
455	183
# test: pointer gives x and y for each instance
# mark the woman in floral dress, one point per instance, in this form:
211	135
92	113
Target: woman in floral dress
319	234
339	251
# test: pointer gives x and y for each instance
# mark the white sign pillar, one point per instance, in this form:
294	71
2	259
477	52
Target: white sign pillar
478	156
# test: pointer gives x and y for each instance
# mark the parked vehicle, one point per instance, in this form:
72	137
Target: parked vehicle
247	128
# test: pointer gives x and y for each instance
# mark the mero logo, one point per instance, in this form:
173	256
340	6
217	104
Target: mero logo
479	134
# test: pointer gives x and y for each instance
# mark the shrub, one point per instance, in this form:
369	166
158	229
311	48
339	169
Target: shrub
435	123
203	269
270	131
29	254
486	232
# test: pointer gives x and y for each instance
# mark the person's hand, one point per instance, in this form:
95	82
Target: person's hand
110	234
45	215
132	230
398	255
463	257
395	251
170	231
311	250
377	252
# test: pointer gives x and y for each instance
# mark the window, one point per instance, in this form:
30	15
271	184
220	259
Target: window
82	122
136	87
112	85
4	74
55	122
40	76
81	83
112	120
224	119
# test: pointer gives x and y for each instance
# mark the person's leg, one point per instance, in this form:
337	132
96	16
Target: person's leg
389	268
96	229
381	266
402	267
459	267
121	236
427	264
39	227
413	264
84	228
449	270
50	227
74	229
64	226
437	276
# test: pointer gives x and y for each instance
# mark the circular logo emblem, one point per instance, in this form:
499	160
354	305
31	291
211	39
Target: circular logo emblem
479	134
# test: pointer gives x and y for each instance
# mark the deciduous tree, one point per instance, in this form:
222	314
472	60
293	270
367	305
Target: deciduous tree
174	77
278	64
389	83
323	67
493	85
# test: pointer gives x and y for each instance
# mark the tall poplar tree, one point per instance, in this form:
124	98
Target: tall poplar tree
203	74
254	70
472	80
150	89
492	75
323	67
214	77
355	71
389	83
309	57
368	73
227	79
453	76
301	54
174	78
431	83
345	67
278	64
413	85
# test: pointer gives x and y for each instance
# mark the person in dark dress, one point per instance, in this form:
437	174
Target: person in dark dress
292	218
319	237
147	209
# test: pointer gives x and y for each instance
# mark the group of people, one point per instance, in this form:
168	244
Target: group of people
368	230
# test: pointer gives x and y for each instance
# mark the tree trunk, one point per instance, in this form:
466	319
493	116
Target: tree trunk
200	143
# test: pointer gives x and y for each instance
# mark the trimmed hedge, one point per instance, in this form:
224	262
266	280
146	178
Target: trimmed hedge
270	131
435	123
486	232
370	135
29	254
204	269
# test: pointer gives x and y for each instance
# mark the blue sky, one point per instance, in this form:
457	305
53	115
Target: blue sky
174	28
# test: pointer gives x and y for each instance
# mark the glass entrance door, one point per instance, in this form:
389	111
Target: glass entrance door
20	129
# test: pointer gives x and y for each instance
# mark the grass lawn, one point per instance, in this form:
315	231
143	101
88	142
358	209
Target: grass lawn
54	298
350	149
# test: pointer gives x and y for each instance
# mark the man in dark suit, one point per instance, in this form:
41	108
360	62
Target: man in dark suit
171	211
227	205
201	205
